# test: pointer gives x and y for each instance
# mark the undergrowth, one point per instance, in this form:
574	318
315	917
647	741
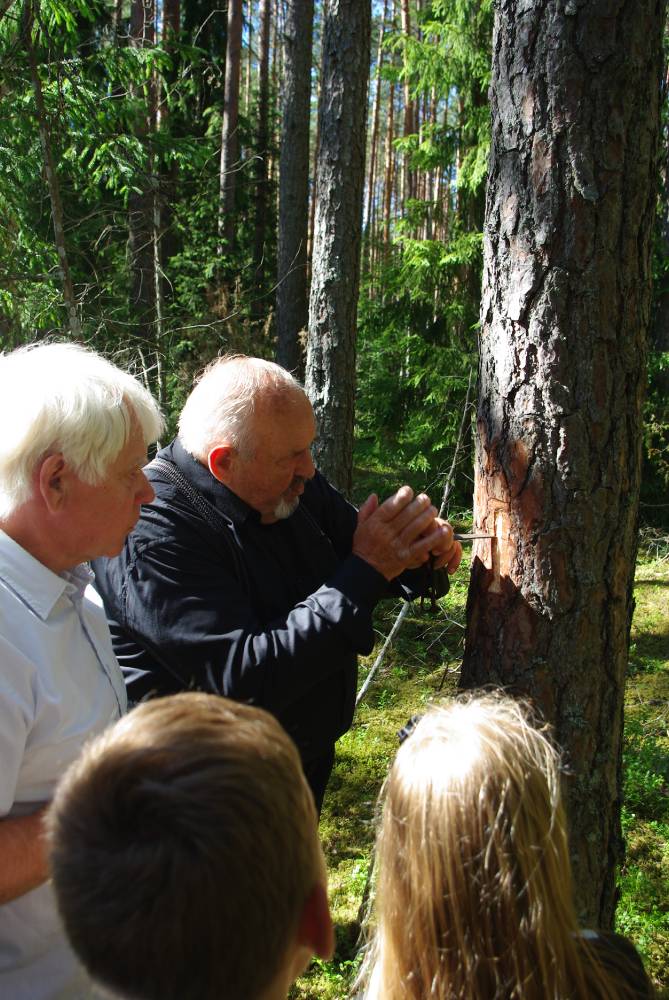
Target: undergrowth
422	666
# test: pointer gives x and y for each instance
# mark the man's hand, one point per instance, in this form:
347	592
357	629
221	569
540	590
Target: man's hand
448	553
401	533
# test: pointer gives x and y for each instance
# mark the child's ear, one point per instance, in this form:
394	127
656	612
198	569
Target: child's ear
315	931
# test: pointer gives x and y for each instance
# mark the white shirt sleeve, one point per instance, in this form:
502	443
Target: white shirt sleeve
17	712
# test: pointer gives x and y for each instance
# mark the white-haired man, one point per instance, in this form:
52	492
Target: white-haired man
75	430
249	575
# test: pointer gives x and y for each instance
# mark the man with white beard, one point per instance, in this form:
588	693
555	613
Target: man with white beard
250	575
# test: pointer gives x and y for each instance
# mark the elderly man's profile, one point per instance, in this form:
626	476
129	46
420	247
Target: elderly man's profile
75	430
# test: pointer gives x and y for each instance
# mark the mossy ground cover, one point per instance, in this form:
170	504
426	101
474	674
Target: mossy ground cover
422	666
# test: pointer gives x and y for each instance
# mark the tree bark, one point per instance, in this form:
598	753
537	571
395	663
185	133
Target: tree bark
330	378
660	322
407	179
248	87
142	204
261	161
564	315
292	308
371	175
229	129
389	170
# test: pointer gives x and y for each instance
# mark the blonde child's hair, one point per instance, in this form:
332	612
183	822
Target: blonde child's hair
474	887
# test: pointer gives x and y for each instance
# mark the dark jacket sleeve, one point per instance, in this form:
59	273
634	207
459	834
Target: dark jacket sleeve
181	607
341	519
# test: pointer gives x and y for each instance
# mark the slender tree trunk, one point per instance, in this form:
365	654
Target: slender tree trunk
164	188
333	303
564	315
292	310
389	166
229	130
371	176
273	157
141	199
314	174
117	17
262	154
248	87
406	182
51	177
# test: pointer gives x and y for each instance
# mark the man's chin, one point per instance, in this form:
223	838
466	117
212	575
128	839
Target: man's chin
285	508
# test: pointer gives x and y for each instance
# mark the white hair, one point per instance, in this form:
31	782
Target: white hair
65	398
222	404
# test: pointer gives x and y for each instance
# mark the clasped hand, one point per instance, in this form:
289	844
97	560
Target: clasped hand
402	533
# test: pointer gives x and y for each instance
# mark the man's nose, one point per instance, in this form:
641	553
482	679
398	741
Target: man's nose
146	492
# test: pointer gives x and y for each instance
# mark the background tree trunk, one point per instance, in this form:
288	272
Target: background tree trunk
261	163
389	169
229	129
291	295
330	380
407	178
564	315
374	143
141	220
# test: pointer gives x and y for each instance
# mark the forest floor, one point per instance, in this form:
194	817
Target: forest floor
422	666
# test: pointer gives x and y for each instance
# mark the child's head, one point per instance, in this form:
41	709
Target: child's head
185	854
474	892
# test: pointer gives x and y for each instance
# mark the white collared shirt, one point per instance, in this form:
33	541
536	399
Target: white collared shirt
60	684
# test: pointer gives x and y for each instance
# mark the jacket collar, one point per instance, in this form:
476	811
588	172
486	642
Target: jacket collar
218	495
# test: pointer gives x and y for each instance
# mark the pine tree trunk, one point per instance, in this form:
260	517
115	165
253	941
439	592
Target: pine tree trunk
333	303
261	162
389	166
141	201
564	315
229	129
292	309
314	174
406	183
371	175
248	85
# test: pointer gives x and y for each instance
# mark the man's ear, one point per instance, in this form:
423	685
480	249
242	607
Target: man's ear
220	461
315	931
52	476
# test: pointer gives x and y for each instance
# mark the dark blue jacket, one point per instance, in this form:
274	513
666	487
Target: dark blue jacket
272	614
